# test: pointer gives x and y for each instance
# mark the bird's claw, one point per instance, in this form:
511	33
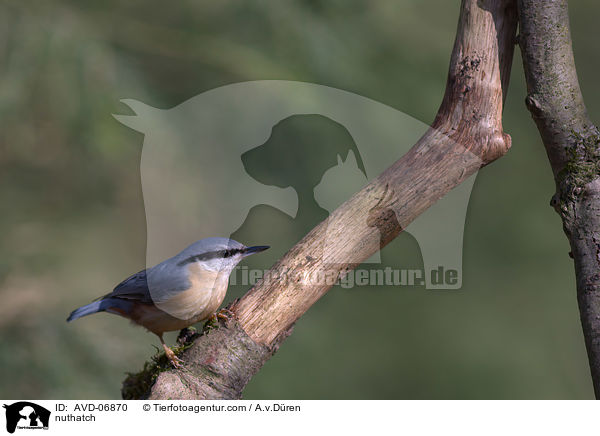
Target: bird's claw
175	361
225	314
212	322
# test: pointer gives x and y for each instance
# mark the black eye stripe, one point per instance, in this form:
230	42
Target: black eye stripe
210	255
231	252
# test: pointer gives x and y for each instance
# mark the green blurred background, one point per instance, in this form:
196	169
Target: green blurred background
73	215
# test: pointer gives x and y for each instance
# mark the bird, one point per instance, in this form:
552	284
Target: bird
176	293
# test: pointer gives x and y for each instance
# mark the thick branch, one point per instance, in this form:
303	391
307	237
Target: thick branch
466	135
554	97
571	141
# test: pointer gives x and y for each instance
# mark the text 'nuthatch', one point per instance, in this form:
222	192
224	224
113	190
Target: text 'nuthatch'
176	293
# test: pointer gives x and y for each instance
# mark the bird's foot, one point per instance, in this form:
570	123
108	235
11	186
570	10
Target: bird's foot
212	322
175	361
225	314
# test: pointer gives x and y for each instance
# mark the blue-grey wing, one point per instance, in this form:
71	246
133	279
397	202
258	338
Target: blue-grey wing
133	288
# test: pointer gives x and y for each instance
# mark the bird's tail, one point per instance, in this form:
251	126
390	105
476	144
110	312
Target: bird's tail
98	306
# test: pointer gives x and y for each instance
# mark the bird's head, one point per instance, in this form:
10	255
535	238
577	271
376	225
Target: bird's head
217	254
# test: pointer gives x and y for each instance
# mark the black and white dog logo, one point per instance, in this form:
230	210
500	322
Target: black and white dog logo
26	415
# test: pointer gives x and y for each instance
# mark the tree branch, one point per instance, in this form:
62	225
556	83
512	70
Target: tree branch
571	141
466	135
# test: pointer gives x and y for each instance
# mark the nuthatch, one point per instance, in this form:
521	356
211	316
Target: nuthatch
176	293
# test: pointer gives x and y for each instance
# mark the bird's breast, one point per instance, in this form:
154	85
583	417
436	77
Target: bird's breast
205	294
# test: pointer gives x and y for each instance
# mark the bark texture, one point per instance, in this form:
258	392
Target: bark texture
226	356
572	144
466	135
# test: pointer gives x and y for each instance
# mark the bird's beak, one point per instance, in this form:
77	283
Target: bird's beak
256	249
